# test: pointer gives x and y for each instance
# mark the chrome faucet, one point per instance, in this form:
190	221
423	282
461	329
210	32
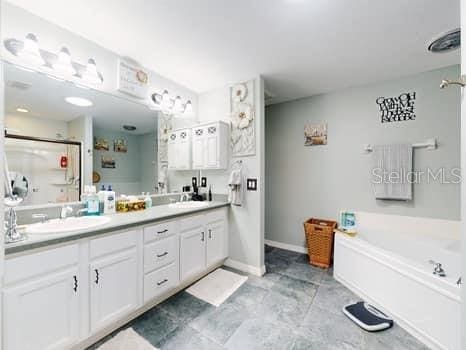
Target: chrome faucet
438	269
81	212
184	197
65	210
11	233
41	217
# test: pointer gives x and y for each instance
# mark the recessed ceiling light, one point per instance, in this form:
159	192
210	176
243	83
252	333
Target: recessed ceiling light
22	110
79	101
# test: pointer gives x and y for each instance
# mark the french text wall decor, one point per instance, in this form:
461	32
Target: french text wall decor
397	109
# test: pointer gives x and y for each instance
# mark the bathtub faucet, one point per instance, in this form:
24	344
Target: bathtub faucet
438	269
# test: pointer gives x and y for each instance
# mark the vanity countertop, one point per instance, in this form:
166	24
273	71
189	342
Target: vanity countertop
119	221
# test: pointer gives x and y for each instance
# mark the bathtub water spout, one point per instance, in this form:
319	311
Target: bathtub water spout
438	269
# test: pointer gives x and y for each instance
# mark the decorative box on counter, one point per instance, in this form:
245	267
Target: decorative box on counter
127	204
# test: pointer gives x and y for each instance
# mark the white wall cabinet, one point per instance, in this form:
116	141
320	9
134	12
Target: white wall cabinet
210	146
203	242
41	301
113	273
179	150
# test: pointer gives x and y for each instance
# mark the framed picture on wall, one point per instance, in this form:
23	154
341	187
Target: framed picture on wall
108	162
101	144
120	145
315	134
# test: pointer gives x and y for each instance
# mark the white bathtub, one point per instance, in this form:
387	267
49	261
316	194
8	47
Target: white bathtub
387	264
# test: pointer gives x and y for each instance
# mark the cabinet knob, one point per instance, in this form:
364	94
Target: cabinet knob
160	255
96	276
210	234
163	231
202	236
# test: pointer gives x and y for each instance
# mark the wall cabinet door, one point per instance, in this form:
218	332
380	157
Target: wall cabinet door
113	281
42	313
198	150
171	151
211	151
192	252
216	245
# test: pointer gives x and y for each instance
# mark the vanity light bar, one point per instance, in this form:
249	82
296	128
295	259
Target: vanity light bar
170	105
61	62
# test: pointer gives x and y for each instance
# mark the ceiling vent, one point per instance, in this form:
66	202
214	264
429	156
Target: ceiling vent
18	85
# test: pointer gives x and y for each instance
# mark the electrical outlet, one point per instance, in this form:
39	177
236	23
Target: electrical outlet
203	182
251	184
194	181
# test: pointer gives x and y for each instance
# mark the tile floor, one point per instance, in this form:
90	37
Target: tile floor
293	306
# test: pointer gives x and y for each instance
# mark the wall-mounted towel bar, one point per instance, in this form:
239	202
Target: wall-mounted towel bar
430	144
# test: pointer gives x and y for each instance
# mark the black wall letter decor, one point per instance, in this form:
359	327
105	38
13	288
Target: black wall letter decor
397	109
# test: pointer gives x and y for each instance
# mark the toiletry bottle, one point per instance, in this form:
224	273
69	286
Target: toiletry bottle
92	202
148	200
210	193
101	195
109	201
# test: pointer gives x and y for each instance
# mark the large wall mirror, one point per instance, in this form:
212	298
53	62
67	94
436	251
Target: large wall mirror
60	137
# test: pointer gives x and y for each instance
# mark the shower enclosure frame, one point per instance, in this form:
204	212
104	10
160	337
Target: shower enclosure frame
63	142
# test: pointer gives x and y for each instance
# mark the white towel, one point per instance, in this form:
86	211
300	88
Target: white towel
235	180
392	165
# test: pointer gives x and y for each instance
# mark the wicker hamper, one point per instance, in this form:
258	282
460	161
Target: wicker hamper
319	237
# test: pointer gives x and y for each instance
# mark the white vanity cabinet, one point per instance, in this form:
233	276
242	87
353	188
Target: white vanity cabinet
210	146
179	150
161	259
57	298
203	242
41	300
113	274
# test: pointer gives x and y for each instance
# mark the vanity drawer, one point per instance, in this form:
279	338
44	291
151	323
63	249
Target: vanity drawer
158	231
160	253
106	245
160	281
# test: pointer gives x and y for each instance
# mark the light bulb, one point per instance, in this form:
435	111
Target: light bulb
178	105
188	108
91	74
63	64
30	51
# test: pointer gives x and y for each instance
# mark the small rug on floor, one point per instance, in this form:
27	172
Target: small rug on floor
127	340
217	286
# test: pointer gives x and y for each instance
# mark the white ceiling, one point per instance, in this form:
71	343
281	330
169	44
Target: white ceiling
45	98
301	47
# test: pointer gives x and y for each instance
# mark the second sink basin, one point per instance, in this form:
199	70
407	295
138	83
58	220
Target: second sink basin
188	205
66	225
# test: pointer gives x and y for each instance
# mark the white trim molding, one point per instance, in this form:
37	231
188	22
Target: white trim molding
293	248
257	271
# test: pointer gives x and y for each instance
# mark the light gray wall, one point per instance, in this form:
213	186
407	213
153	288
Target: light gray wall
319	181
246	223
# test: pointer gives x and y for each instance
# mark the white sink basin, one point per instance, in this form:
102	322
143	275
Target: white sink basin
66	225
188	205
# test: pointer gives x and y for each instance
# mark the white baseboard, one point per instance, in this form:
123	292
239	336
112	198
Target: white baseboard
293	248
245	268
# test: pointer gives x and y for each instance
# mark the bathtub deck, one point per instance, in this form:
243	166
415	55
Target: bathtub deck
294	306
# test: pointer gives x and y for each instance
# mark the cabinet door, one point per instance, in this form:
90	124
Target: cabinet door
211	147
198	152
171	151
216	242
114	287
182	155
43	312
192	252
